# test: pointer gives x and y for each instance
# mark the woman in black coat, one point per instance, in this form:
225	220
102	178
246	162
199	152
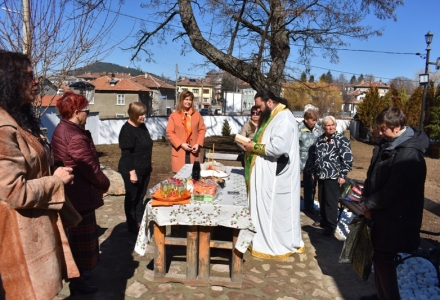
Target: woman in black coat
135	163
393	196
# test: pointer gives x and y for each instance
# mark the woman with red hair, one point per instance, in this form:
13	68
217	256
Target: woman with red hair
73	146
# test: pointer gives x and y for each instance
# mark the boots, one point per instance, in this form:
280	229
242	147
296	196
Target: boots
79	285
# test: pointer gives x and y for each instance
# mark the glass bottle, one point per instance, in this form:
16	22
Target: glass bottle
196	170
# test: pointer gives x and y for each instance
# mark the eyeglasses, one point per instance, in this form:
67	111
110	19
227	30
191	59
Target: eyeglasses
255	113
30	76
86	110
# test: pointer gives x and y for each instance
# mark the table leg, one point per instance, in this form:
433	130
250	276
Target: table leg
191	252
159	250
204	251
237	259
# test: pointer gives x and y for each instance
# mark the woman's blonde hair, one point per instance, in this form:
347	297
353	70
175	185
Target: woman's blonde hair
182	96
135	109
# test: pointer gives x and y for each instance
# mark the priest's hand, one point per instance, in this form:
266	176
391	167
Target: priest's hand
249	146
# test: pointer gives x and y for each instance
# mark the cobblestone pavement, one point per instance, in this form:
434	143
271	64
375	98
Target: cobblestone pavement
315	274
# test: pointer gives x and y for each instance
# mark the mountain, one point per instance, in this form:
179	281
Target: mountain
105	67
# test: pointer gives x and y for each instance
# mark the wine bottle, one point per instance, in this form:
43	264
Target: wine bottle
196	170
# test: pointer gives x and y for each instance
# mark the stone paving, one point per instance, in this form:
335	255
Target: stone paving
315	274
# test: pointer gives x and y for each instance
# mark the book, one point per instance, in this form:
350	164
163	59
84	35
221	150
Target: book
241	139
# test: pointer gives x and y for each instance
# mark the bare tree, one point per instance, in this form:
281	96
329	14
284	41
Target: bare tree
58	35
252	39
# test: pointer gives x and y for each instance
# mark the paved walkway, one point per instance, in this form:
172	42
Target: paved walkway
315	274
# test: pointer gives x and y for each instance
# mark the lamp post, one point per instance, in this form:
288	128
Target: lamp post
424	78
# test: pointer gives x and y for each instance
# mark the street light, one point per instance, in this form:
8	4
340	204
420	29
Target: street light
424	78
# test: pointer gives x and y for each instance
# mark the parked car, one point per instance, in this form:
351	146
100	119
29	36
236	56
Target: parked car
206	112
218	111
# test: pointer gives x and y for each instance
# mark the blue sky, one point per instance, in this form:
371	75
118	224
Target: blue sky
414	20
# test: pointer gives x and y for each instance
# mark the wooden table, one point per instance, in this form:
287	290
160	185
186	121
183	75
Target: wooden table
229	210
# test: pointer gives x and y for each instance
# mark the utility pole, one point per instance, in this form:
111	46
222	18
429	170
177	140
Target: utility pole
27	32
177	78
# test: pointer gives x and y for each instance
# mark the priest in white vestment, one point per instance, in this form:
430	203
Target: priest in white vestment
273	180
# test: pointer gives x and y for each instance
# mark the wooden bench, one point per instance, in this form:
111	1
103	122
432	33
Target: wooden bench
222	154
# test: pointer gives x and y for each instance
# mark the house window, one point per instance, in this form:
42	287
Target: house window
121	99
89	96
195	91
205	91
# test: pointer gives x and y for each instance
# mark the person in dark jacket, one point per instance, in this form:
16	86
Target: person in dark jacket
135	163
73	147
333	161
393	196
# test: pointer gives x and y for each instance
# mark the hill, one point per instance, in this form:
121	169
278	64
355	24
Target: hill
105	67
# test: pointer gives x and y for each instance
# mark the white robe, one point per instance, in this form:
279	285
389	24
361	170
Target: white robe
275	200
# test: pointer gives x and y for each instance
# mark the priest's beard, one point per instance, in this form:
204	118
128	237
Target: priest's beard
265	114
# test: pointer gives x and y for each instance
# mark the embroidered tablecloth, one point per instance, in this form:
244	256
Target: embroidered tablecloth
230	209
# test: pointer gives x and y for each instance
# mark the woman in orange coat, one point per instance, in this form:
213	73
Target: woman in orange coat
186	132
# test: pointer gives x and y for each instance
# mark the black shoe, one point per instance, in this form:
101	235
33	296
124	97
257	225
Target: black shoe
79	285
86	275
370	297
310	210
328	232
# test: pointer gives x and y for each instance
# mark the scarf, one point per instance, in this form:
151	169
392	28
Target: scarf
250	156
186	121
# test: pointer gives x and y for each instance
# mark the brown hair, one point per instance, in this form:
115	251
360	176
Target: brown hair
136	109
182	96
310	114
392	117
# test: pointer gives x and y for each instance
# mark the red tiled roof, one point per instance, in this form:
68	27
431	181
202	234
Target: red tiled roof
49	100
193	82
103	84
152	82
369	84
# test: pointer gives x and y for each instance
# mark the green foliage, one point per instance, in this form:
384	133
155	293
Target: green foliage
370	108
413	107
432	120
393	97
226	129
323	78
303	77
360	78
329	77
353	79
312	78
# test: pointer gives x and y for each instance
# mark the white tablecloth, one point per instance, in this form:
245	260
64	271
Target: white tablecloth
229	210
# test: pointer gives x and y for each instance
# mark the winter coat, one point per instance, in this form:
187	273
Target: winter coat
307	141
34	254
333	157
248	129
73	145
177	136
394	191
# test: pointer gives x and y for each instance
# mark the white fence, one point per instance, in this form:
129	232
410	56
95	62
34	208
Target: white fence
107	131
